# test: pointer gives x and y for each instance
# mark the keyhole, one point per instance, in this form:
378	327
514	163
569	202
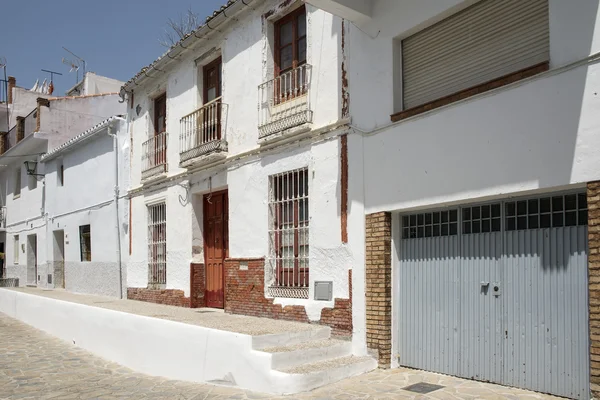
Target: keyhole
496	288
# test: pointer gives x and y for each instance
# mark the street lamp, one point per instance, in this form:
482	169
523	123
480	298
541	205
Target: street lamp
31	166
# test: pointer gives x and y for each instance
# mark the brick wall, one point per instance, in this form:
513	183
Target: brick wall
593	199
378	252
197	285
170	297
245	294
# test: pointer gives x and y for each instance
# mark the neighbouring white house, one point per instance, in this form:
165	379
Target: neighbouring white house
55	181
237	189
474	151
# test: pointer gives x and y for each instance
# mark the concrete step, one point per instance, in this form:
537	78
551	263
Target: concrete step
290	338
308	352
310	376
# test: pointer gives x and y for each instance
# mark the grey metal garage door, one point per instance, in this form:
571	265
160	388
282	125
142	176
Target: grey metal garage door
498	292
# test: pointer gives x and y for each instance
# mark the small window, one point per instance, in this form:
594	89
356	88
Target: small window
60	173
547	212
17	191
85	243
16	249
431	224
157	244
481	219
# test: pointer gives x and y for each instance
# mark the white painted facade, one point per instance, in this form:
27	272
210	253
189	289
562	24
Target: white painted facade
246	50
537	135
39	206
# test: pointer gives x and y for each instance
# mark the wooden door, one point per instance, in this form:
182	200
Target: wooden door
216	246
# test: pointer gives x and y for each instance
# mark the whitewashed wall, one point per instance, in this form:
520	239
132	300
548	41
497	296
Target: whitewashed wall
244	46
87	197
536	134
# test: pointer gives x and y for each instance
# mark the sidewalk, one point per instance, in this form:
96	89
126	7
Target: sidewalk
205	317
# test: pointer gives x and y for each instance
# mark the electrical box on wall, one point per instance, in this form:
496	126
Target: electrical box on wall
323	290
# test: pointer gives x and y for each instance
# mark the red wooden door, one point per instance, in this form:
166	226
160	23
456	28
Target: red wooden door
216	246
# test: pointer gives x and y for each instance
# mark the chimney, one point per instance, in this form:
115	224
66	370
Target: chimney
12	82
40	102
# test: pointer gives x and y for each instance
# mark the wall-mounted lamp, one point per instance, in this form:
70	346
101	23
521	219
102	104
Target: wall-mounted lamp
30	167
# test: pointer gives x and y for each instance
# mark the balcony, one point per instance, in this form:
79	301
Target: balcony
154	156
284	102
24	127
202	137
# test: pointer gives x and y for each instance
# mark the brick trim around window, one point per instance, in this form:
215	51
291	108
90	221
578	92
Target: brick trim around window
464	94
593	201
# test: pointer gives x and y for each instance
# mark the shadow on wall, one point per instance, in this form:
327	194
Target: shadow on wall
522	137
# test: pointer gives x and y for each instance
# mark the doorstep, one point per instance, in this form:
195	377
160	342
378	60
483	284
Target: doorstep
198	345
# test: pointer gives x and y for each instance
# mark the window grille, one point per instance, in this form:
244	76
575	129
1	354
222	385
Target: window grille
430	224
289	234
547	212
157	244
482	219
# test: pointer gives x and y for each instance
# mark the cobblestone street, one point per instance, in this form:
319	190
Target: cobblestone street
34	365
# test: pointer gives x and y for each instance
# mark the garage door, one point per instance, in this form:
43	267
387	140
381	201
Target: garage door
498	292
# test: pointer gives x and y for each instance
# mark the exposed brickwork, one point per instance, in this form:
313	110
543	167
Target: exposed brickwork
170	297
245	294
378	254
197	285
20	128
593	199
496	83
344	186
12	83
2	142
339	318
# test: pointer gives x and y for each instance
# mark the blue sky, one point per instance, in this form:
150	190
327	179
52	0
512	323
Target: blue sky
115	37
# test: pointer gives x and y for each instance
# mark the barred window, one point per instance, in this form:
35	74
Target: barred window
85	243
288	233
157	244
430	224
547	212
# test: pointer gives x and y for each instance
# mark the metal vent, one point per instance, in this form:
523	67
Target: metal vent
323	290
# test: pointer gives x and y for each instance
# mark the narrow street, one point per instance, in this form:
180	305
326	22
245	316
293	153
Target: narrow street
34	365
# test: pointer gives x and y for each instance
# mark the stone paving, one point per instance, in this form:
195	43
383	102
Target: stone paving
35	365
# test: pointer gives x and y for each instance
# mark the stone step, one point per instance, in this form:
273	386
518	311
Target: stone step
310	376
308	352
290	338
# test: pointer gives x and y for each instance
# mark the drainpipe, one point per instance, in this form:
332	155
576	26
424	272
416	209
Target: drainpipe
117	220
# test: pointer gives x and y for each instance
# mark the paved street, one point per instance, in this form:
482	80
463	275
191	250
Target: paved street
34	365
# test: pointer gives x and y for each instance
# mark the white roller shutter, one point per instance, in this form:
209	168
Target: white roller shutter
486	41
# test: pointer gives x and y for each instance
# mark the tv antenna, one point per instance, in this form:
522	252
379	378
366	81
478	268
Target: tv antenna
52	73
80	60
74	67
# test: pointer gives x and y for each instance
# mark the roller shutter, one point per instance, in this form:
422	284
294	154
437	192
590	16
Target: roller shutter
486	41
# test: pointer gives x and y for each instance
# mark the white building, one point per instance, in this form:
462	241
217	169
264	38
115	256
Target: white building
237	196
38	208
475	152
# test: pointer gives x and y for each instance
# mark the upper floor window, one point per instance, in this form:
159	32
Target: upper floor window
290	41
487	45
160	114
212	81
60	172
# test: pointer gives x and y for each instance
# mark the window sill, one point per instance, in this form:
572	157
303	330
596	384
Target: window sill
16	197
464	94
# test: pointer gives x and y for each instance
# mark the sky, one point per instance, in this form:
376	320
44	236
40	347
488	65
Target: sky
116	38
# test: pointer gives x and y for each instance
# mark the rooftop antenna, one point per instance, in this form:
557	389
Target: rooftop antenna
77	57
74	67
52	73
3	66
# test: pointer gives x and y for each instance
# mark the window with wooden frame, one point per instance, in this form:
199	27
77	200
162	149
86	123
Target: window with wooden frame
160	128
290	54
210	123
85	243
289	224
